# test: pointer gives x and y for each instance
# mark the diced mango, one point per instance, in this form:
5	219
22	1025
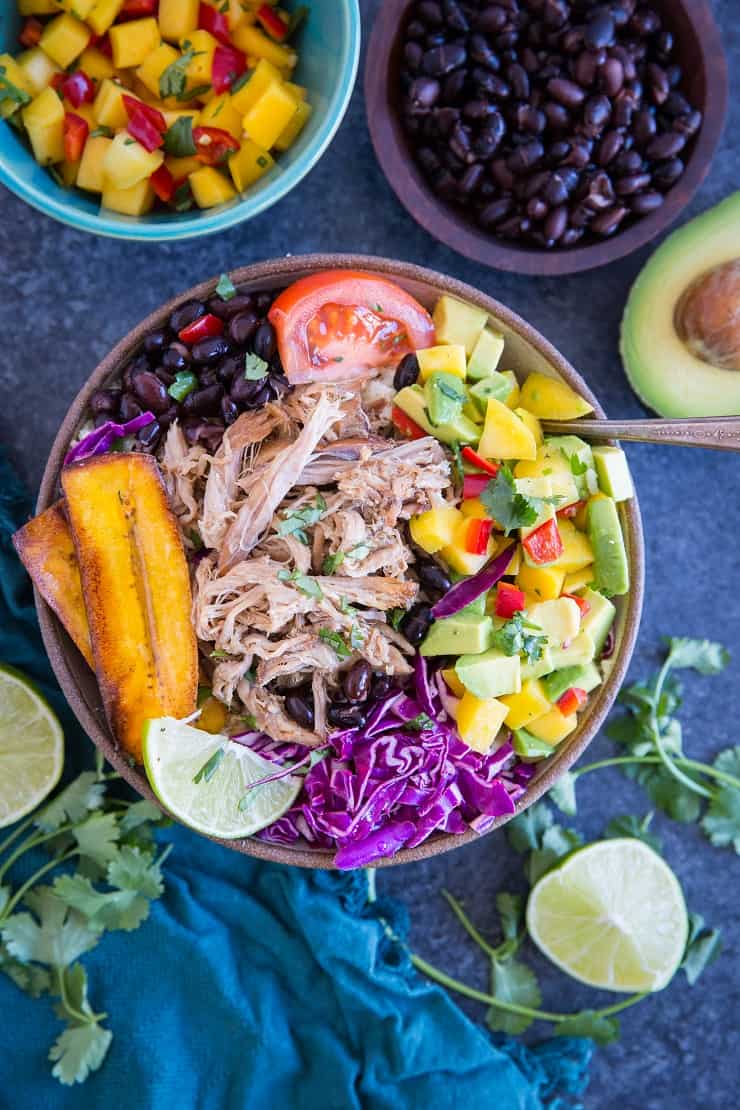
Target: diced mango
540	491
38	69
458	558
12	72
47	551
68	172
43	119
235	13
108	105
529	704
84	111
103	14
474	507
545	583
577	550
435	528
553	727
213	715
127	162
202	46
516	560
80	8
578	580
297	122
479	720
257	44
177	18
457	321
263	75
220	112
249	164
153	66
560	620
136	586
95	64
270	115
454	683
135	201
183	167
210	187
300	92
90	174
532	423
449	357
505	436
64	39
37	7
550	399
132	42
554	465
172	114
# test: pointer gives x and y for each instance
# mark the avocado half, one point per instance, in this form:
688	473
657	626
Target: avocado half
664	372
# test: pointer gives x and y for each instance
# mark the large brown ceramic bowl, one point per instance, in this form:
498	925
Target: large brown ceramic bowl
526	350
698	50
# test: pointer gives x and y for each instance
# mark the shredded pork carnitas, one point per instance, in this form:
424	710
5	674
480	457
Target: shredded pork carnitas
301	511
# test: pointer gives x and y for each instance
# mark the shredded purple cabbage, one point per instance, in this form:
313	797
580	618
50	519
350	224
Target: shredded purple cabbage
466	592
102	439
609	644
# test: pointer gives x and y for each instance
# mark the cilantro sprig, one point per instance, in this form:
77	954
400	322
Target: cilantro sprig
296	521
519	636
510	508
173	79
45	928
10	92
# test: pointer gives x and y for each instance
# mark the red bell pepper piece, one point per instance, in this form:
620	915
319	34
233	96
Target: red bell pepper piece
475	459
57	81
581	602
569	511
141	128
228	64
30	32
571	700
202	328
75	136
215	22
509	600
163	183
102	43
213	145
272	22
477	535
137	9
78	88
544	545
155	117
474	484
406	426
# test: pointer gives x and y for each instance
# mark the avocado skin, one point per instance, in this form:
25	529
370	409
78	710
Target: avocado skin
664	374
610	556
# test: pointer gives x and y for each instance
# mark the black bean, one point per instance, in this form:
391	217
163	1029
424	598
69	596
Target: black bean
689	124
674	73
429	12
407	372
658	83
105	401
185	314
530	119
557	115
502	175
632	183
580	154
424	92
611	76
129	408
207	352
347	716
412	54
240	302
138	365
623	107
487	141
441	60
609	147
667	173
525	156
416	622
570	236
229	367
265	341
581	215
596	112
664	45
565	92
665	146
453	86
356	681
460	144
555	192
519	80
300	709
149	435
265	394
557	152
645	203
644	22
606	223
242	327
555	13
204	402
263	300
381	687
600	192
556	223
676	104
229	411
599	31
571	41
643	126
470	180
150	392
585	68
433	576
245	392
155	342
207	431
477	110
493	213
177	357
536	209
628	161
164	376
166	418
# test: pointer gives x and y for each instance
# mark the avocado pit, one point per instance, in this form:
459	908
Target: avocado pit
707	316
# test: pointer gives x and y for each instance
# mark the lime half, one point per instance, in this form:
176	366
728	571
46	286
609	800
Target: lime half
613	915
31	747
204	780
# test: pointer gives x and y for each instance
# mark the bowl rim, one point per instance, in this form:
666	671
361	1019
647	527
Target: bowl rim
450	227
246	207
60	648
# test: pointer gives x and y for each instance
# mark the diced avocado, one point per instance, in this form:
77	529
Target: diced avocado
486	354
560	620
460	430
464	633
598	619
478	607
536	670
445	396
571	445
584	677
540	491
495	385
611	569
580	650
529	748
490	674
613	472
458	322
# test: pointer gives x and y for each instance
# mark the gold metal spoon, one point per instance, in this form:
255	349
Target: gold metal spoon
721	433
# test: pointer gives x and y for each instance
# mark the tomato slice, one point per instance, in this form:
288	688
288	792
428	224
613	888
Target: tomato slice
339	324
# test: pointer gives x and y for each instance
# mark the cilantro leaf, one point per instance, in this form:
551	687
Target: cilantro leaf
173	79
334	640
179	141
518	636
577	467
508	508
138	813
30	978
422	722
721	822
116	909
636	827
295	521
525	831
557	842
589	1023
703	946
97	838
704	656
512	981
10	92
331	562
83	794
255	368
102	131
511	912
79	1050
457	461
225	288
396	616
57	935
563	794
304	582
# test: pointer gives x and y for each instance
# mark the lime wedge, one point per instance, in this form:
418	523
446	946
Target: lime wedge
612	915
203	780
31	747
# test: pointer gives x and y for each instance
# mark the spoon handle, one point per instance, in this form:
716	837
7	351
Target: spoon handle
722	433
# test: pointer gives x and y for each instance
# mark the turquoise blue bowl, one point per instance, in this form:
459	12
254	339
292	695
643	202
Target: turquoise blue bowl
328	47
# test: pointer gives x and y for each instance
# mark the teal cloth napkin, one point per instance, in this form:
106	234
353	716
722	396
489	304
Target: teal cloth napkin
253	985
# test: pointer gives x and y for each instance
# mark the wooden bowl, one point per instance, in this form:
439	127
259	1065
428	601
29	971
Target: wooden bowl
698	51
526	350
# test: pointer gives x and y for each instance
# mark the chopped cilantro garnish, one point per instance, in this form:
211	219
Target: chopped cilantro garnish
178	139
331	562
396	616
305	583
11	92
295	523
225	288
335	641
508	508
255	368
421	723
172	80
520	637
